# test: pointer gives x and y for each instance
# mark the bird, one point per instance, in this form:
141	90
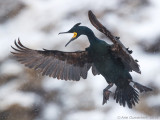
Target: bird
113	61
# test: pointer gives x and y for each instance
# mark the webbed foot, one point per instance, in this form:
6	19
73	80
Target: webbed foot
106	93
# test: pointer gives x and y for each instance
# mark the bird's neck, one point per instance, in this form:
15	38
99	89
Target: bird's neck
91	36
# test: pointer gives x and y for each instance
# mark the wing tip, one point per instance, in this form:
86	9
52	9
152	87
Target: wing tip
19	46
90	15
90	12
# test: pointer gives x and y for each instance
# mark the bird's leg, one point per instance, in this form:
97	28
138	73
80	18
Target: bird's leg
140	87
106	93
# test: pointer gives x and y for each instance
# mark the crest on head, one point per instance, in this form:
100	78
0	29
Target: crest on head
76	24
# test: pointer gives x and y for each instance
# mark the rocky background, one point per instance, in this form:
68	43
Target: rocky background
26	95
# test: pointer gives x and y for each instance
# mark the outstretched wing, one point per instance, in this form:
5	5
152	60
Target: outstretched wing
56	64
118	49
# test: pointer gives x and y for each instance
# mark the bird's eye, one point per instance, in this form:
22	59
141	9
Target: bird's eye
75	35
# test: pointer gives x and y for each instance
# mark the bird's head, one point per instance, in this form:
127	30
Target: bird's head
76	30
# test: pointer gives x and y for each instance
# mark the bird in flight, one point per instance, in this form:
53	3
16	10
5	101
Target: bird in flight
113	62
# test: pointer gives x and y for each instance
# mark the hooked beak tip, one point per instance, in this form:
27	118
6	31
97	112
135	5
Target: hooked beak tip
59	33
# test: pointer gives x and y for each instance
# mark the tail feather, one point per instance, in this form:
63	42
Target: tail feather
127	95
141	88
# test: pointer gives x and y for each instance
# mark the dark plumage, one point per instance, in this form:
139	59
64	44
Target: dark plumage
113	62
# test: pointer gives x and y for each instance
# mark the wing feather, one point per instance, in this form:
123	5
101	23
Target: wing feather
56	64
118	49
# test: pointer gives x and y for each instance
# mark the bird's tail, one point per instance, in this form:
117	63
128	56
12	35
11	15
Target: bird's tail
127	95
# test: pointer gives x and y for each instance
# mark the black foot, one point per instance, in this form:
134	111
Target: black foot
141	88
106	94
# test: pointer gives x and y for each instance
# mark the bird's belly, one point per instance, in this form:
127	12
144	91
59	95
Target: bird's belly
110	69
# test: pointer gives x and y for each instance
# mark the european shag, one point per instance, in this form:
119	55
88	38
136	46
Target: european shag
113	62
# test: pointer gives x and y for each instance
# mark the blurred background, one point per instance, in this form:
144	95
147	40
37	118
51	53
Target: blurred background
26	95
